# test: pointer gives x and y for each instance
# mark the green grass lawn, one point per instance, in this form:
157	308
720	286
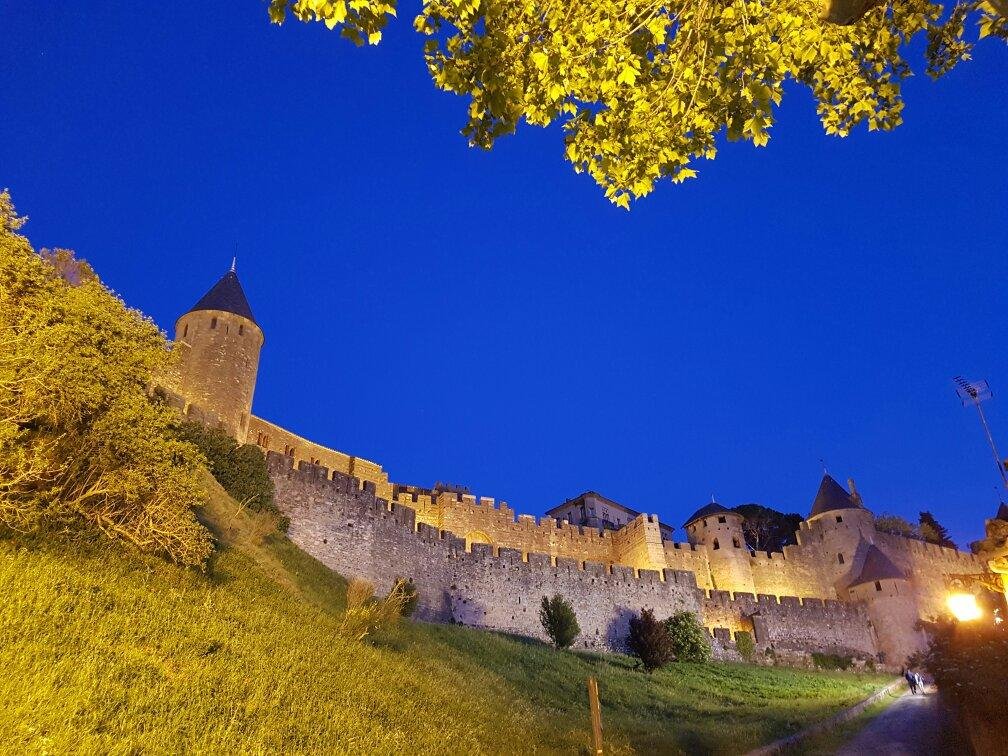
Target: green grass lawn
106	651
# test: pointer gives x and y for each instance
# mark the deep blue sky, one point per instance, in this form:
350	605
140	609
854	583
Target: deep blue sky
489	318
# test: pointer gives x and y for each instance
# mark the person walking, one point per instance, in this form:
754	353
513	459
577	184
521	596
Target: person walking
911	681
920	683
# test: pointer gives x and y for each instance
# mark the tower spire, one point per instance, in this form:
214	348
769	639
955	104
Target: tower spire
234	263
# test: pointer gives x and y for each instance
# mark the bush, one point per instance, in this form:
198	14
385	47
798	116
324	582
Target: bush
411	599
690	641
649	641
366	615
969	663
558	620
240	469
832	661
81	444
745	644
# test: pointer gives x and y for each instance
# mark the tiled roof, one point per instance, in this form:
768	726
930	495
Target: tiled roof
711	509
831	495
876	566
226	295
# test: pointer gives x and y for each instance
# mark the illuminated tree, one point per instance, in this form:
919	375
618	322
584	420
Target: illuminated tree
643	87
80	441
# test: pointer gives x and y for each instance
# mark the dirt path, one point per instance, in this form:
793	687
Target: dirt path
913	725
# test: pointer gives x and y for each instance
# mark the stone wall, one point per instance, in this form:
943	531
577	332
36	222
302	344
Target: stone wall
792	624
271	437
345	525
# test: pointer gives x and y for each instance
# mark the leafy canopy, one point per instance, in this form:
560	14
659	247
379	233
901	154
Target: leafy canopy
643	87
896	525
934	532
80	441
766	529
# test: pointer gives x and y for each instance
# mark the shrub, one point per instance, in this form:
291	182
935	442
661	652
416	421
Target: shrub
832	661
240	469
81	444
365	615
649	641
745	644
410	597
559	621
690	641
969	663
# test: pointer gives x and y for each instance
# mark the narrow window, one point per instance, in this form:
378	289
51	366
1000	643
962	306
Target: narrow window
839	518
705	522
716	545
878	585
721	519
185	331
736	544
213	322
839	558
241	329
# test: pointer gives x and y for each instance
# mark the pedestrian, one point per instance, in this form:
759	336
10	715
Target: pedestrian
911	681
920	683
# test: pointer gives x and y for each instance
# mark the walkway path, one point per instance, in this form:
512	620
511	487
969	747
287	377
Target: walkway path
912	725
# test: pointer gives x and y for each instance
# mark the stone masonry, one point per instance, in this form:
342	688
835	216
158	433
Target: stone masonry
844	587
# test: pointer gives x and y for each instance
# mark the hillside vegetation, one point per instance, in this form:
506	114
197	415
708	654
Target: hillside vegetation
107	650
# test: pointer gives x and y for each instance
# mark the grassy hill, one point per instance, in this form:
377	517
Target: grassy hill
106	651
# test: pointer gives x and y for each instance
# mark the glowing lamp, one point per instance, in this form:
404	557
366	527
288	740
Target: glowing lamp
964	606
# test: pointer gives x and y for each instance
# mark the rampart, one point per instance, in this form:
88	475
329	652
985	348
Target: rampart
352	530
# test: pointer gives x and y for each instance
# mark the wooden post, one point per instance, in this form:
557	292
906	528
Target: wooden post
596	715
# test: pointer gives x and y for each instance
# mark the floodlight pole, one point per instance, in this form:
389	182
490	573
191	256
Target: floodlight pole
990	439
975	393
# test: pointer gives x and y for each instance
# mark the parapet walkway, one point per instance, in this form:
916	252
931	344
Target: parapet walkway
912	725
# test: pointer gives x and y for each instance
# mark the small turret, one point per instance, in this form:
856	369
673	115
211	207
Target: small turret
218	341
720	530
891	602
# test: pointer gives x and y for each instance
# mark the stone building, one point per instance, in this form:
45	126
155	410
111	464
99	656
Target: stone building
843	587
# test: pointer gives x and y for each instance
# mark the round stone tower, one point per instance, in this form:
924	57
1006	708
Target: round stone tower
838	522
218	342
720	530
891	602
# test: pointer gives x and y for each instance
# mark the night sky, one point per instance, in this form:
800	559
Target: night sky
488	318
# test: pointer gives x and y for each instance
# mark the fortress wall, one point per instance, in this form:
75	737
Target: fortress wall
639	543
793	572
690	558
426	506
927	564
482	519
793	624
272	437
359	534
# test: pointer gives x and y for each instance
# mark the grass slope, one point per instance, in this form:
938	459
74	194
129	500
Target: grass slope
106	651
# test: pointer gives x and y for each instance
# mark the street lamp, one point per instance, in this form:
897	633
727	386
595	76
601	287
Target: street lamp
964	607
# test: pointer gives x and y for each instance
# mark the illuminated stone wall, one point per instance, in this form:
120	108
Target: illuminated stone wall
341	522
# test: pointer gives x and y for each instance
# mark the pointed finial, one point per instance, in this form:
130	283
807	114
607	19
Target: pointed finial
234	263
823	463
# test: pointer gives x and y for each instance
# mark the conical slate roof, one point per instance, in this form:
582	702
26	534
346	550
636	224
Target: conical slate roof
1002	513
226	295
831	495
711	509
877	566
